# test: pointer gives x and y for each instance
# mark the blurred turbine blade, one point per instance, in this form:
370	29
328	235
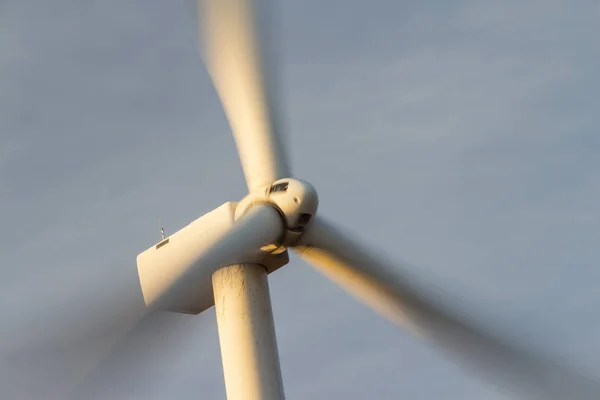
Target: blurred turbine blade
55	352
388	291
155	341
235	36
51	347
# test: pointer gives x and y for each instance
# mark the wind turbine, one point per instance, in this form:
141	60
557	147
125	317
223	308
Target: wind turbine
223	258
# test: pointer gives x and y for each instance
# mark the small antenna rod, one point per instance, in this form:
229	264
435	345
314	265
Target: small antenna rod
162	231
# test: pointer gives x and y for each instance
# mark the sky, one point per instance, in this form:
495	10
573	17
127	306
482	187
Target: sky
460	137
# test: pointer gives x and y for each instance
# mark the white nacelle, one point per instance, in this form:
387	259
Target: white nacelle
162	265
296	201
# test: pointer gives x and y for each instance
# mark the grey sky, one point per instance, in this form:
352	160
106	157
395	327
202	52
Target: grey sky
459	136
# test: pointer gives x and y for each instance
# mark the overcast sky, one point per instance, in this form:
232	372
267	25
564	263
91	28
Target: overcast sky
461	137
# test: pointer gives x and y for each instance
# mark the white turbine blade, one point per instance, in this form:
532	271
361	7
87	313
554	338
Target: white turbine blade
235	52
382	286
48	349
158	338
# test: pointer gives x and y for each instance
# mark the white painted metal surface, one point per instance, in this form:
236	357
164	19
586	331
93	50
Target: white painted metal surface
182	264
247	333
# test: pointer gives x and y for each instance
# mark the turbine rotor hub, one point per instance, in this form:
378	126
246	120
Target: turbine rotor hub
295	200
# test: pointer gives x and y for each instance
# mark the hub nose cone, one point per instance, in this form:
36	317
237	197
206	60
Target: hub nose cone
297	200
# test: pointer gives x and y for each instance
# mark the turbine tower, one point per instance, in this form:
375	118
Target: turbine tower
223	258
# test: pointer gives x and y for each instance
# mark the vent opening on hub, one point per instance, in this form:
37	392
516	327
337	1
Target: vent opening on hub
279	187
304	218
